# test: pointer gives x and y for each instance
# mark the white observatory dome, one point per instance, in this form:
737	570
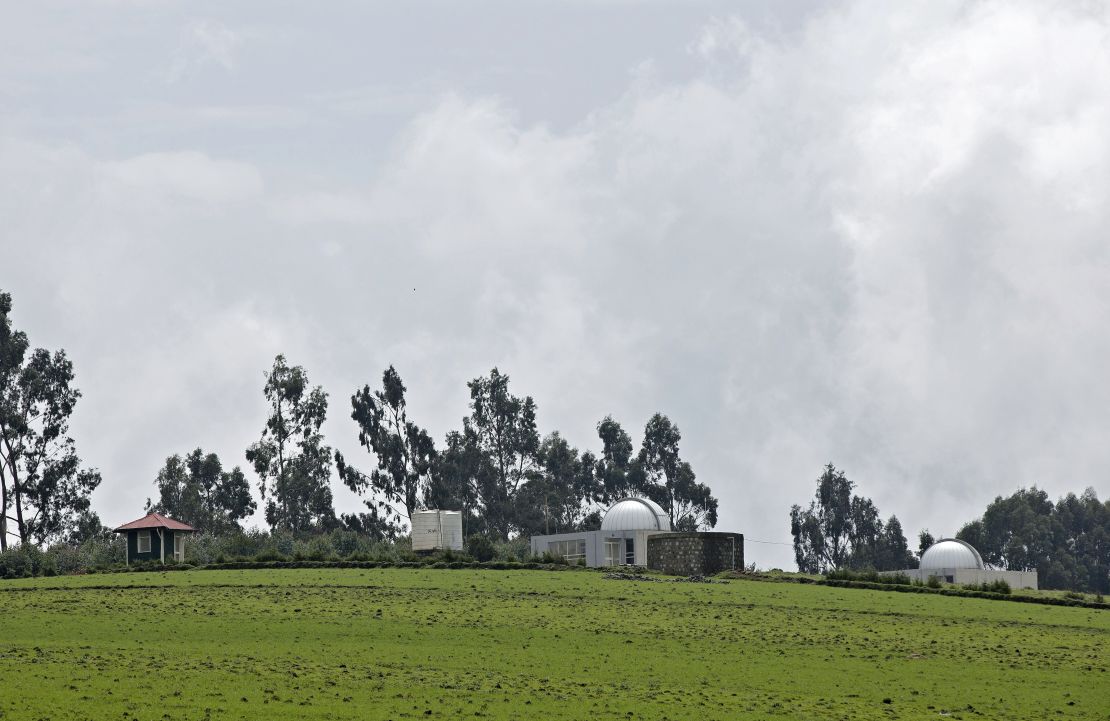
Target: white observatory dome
635	514
950	553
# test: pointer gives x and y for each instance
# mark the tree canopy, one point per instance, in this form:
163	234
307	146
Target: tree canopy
1067	542
291	459
842	530
198	491
44	488
664	477
404	452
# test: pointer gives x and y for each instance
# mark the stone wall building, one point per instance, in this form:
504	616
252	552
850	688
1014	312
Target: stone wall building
689	554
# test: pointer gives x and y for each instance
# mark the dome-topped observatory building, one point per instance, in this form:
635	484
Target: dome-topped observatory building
635	514
622	540
951	553
954	561
637	532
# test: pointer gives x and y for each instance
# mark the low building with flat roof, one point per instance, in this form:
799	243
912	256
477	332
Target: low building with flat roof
622	540
637	532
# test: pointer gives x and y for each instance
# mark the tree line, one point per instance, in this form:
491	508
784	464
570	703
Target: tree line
505	476
1067	542
498	469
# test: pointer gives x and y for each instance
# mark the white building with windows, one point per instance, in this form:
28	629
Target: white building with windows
622	540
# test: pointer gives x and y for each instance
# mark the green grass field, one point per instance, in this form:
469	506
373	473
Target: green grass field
407	643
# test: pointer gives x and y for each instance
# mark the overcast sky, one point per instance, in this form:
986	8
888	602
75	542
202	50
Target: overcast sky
870	233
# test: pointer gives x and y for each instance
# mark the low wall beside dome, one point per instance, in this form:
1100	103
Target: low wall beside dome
695	554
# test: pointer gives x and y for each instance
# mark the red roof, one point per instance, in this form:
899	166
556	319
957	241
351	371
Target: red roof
155	520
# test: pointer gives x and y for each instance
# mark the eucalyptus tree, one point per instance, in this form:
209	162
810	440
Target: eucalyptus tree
843	530
291	459
404	452
44	490
615	461
924	541
197	490
822	533
457	477
1067	542
553	499
502	428
661	474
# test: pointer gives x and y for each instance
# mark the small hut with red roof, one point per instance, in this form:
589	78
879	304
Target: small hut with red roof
149	538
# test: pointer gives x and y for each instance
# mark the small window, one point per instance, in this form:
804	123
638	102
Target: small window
144	541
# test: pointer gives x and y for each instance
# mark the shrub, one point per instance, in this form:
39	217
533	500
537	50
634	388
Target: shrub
997	586
869	575
517	549
933	582
16	563
481	548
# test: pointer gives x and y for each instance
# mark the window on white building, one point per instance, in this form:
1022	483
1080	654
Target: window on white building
570	550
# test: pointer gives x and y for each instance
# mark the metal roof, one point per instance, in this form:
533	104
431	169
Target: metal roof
155	520
635	514
951	553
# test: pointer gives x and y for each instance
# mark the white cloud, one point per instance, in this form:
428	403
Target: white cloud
186	175
203	43
876	240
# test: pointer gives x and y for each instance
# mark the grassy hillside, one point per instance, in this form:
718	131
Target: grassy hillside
405	643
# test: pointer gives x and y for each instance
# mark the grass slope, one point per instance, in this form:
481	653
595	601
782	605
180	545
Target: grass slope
404	643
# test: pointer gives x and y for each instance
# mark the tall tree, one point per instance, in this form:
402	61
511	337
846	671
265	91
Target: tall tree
1083	543
197	490
924	541
615	461
894	550
552	499
843	530
1015	533
43	487
503	429
291	459
822	533
865	534
456	479
670	481
405	452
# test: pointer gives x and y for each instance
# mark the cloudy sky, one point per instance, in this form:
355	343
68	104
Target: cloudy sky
870	233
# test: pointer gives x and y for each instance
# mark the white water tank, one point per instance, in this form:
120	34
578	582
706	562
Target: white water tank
432	530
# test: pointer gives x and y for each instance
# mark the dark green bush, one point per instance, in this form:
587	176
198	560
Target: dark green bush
481	548
869	575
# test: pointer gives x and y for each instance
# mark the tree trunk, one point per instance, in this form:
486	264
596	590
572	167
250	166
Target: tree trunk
3	510
19	512
17	496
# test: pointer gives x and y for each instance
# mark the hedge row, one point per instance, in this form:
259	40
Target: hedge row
264	565
964	593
